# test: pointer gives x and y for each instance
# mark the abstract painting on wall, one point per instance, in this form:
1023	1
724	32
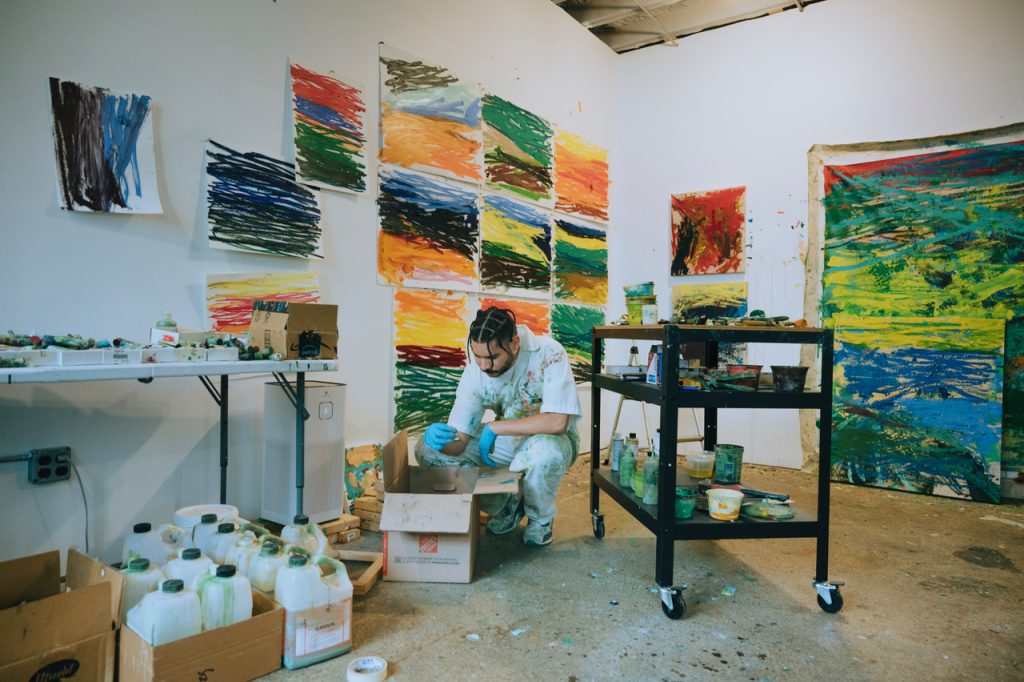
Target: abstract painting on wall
707	232
918	404
515	252
364	466
571	326
429	117
429	232
103	142
254	203
581	177
430	354
534	314
580	263
330	137
725	299
229	298
518	153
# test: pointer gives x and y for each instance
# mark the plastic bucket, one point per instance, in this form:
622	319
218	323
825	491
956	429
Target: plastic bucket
724	503
728	463
686	500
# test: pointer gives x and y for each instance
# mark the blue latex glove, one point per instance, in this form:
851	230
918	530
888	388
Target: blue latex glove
438	435
487	437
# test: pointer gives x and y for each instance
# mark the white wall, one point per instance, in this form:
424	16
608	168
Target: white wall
743	104
215	70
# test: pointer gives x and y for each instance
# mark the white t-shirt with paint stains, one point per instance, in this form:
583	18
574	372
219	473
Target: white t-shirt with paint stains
541	380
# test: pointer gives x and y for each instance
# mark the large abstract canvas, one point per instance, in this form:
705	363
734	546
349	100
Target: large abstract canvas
580	263
429	117
724	299
254	203
429	232
330	136
707	232
536	315
571	326
430	354
581	177
918	404
103	142
229	298
518	154
515	255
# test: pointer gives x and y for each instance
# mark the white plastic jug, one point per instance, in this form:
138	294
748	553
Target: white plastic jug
264	567
156	545
189	565
225	598
203	531
140	578
170	613
242	554
318	609
305	534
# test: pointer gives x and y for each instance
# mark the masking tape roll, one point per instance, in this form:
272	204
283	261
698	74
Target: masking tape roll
368	669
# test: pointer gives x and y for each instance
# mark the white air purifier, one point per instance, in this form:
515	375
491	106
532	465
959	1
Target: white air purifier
324	477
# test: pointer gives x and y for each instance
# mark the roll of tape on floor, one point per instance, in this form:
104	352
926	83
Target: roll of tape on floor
368	669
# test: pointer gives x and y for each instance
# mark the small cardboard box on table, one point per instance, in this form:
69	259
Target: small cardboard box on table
431	516
47	634
298	331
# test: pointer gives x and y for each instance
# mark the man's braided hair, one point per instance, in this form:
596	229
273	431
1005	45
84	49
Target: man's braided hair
493	324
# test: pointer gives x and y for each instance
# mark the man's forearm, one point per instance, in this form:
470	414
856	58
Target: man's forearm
545	422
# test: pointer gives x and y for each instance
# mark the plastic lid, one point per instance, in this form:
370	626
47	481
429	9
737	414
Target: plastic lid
138	564
226	571
208	518
226	528
297	560
300	519
173	585
191	553
142	527
269	549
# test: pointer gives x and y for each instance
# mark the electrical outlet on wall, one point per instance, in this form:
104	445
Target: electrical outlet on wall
49	465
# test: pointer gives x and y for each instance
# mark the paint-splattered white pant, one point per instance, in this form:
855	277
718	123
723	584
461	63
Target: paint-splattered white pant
543	460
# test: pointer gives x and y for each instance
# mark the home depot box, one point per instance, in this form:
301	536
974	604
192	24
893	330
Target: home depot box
47	634
242	651
431	516
295	330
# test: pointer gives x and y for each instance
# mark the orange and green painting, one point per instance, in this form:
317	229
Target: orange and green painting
430	354
229	298
534	314
429	118
707	232
429	232
515	252
518	154
580	263
581	177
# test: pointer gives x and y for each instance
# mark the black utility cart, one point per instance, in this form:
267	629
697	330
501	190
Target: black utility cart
659	518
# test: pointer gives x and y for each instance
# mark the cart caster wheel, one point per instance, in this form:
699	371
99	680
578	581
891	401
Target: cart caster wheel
599	527
837	602
678	606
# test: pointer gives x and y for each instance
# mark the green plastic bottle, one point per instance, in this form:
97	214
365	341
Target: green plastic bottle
627	462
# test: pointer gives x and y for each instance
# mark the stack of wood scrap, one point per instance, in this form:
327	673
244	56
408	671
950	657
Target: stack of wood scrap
369	507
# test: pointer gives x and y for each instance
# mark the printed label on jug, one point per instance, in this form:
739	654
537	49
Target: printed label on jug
323	628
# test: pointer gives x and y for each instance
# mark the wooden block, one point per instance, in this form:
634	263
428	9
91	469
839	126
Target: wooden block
373	526
362	580
371	504
367	516
347	536
344	522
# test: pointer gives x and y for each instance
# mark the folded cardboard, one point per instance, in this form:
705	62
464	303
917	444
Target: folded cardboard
295	330
243	651
47	634
430	516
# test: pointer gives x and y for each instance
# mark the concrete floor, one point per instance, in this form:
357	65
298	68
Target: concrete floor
933	591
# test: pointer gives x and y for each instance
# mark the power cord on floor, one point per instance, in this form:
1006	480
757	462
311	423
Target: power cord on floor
85	502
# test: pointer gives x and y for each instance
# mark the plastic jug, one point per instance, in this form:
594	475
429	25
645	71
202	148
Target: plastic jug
188	566
242	554
168	614
264	567
225	598
203	531
318	610
140	578
156	545
305	534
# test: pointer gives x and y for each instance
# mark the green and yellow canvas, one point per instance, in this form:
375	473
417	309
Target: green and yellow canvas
917	404
518	152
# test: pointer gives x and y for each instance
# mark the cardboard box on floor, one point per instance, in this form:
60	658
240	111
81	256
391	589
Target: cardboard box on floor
298	331
430	517
47	634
